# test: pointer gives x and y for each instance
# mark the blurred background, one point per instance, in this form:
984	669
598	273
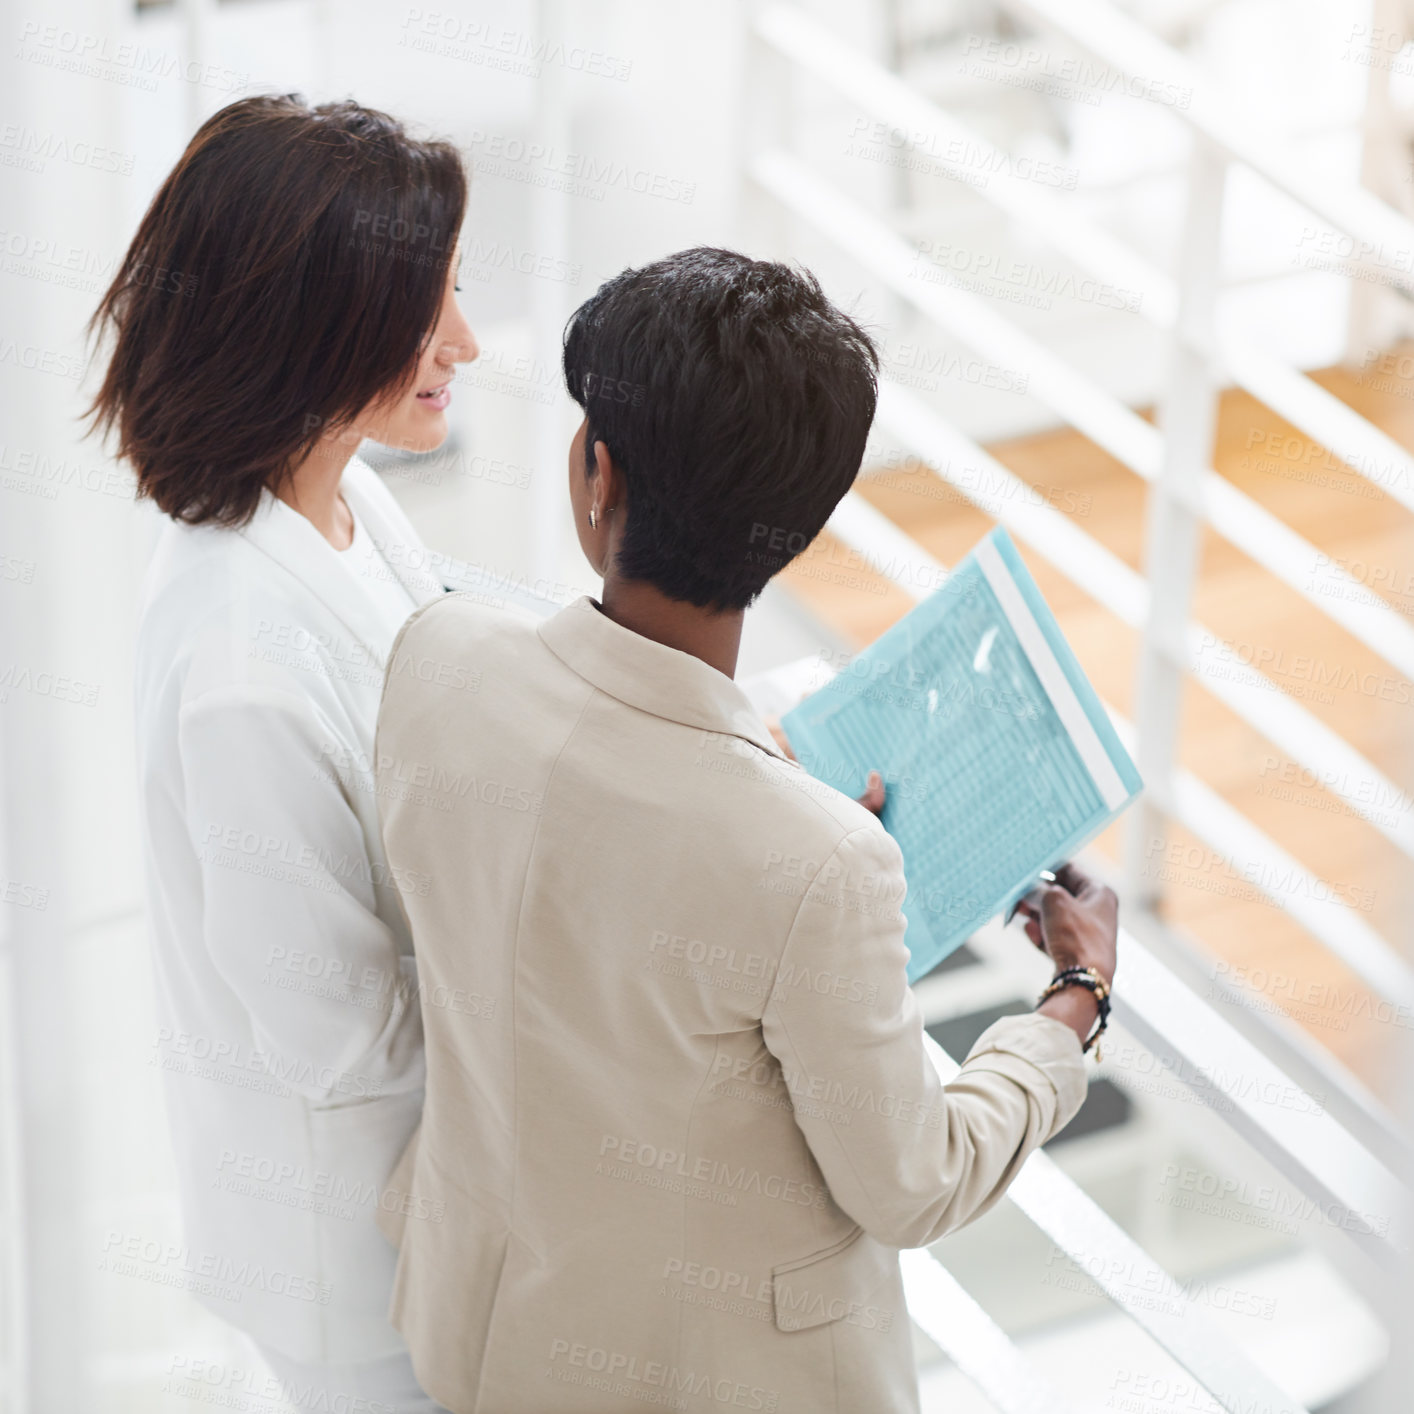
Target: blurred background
1141	271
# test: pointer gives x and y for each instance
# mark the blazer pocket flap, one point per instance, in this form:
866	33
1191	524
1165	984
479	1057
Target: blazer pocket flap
834	1285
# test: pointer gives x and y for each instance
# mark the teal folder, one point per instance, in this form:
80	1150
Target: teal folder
998	760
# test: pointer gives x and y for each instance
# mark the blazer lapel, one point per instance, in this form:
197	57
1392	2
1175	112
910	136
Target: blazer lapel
291	542
414	565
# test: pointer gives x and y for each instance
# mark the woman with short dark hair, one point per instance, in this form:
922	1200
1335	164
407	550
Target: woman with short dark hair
680	1118
289	292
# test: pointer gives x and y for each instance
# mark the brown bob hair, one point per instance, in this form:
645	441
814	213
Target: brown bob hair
287	275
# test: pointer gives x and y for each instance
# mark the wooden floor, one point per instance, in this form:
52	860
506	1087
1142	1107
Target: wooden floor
1344	684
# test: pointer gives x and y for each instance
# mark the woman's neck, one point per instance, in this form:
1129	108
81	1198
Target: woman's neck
714	635
312	489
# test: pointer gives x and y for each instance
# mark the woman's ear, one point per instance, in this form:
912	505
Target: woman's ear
606	488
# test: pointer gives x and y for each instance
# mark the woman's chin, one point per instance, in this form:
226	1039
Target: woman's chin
427	436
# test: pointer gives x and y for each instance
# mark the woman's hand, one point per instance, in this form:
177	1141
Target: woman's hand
872	799
1075	920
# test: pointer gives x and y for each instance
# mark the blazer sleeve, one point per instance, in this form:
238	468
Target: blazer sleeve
289	898
907	1158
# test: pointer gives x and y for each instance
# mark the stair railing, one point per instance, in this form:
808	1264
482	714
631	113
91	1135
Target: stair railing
1342	1149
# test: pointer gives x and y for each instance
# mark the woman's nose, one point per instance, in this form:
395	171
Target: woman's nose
461	345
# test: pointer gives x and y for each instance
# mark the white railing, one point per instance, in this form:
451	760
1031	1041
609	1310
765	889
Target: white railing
1312	1148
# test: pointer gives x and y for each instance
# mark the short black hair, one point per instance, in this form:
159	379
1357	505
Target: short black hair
736	400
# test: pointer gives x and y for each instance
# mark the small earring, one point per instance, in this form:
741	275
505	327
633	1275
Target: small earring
593	520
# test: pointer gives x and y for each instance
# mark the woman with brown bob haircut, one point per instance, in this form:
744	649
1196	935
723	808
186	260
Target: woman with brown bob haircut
289	292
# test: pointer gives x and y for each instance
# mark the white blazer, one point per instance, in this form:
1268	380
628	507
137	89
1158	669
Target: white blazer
288	1028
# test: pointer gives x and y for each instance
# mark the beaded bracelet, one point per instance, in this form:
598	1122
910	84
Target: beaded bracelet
1084	977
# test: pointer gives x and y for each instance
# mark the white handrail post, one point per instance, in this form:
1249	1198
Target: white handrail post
1384	162
1174	522
198	19
762	122
550	228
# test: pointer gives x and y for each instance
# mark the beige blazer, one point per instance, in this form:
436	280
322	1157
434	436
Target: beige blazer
679	1118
